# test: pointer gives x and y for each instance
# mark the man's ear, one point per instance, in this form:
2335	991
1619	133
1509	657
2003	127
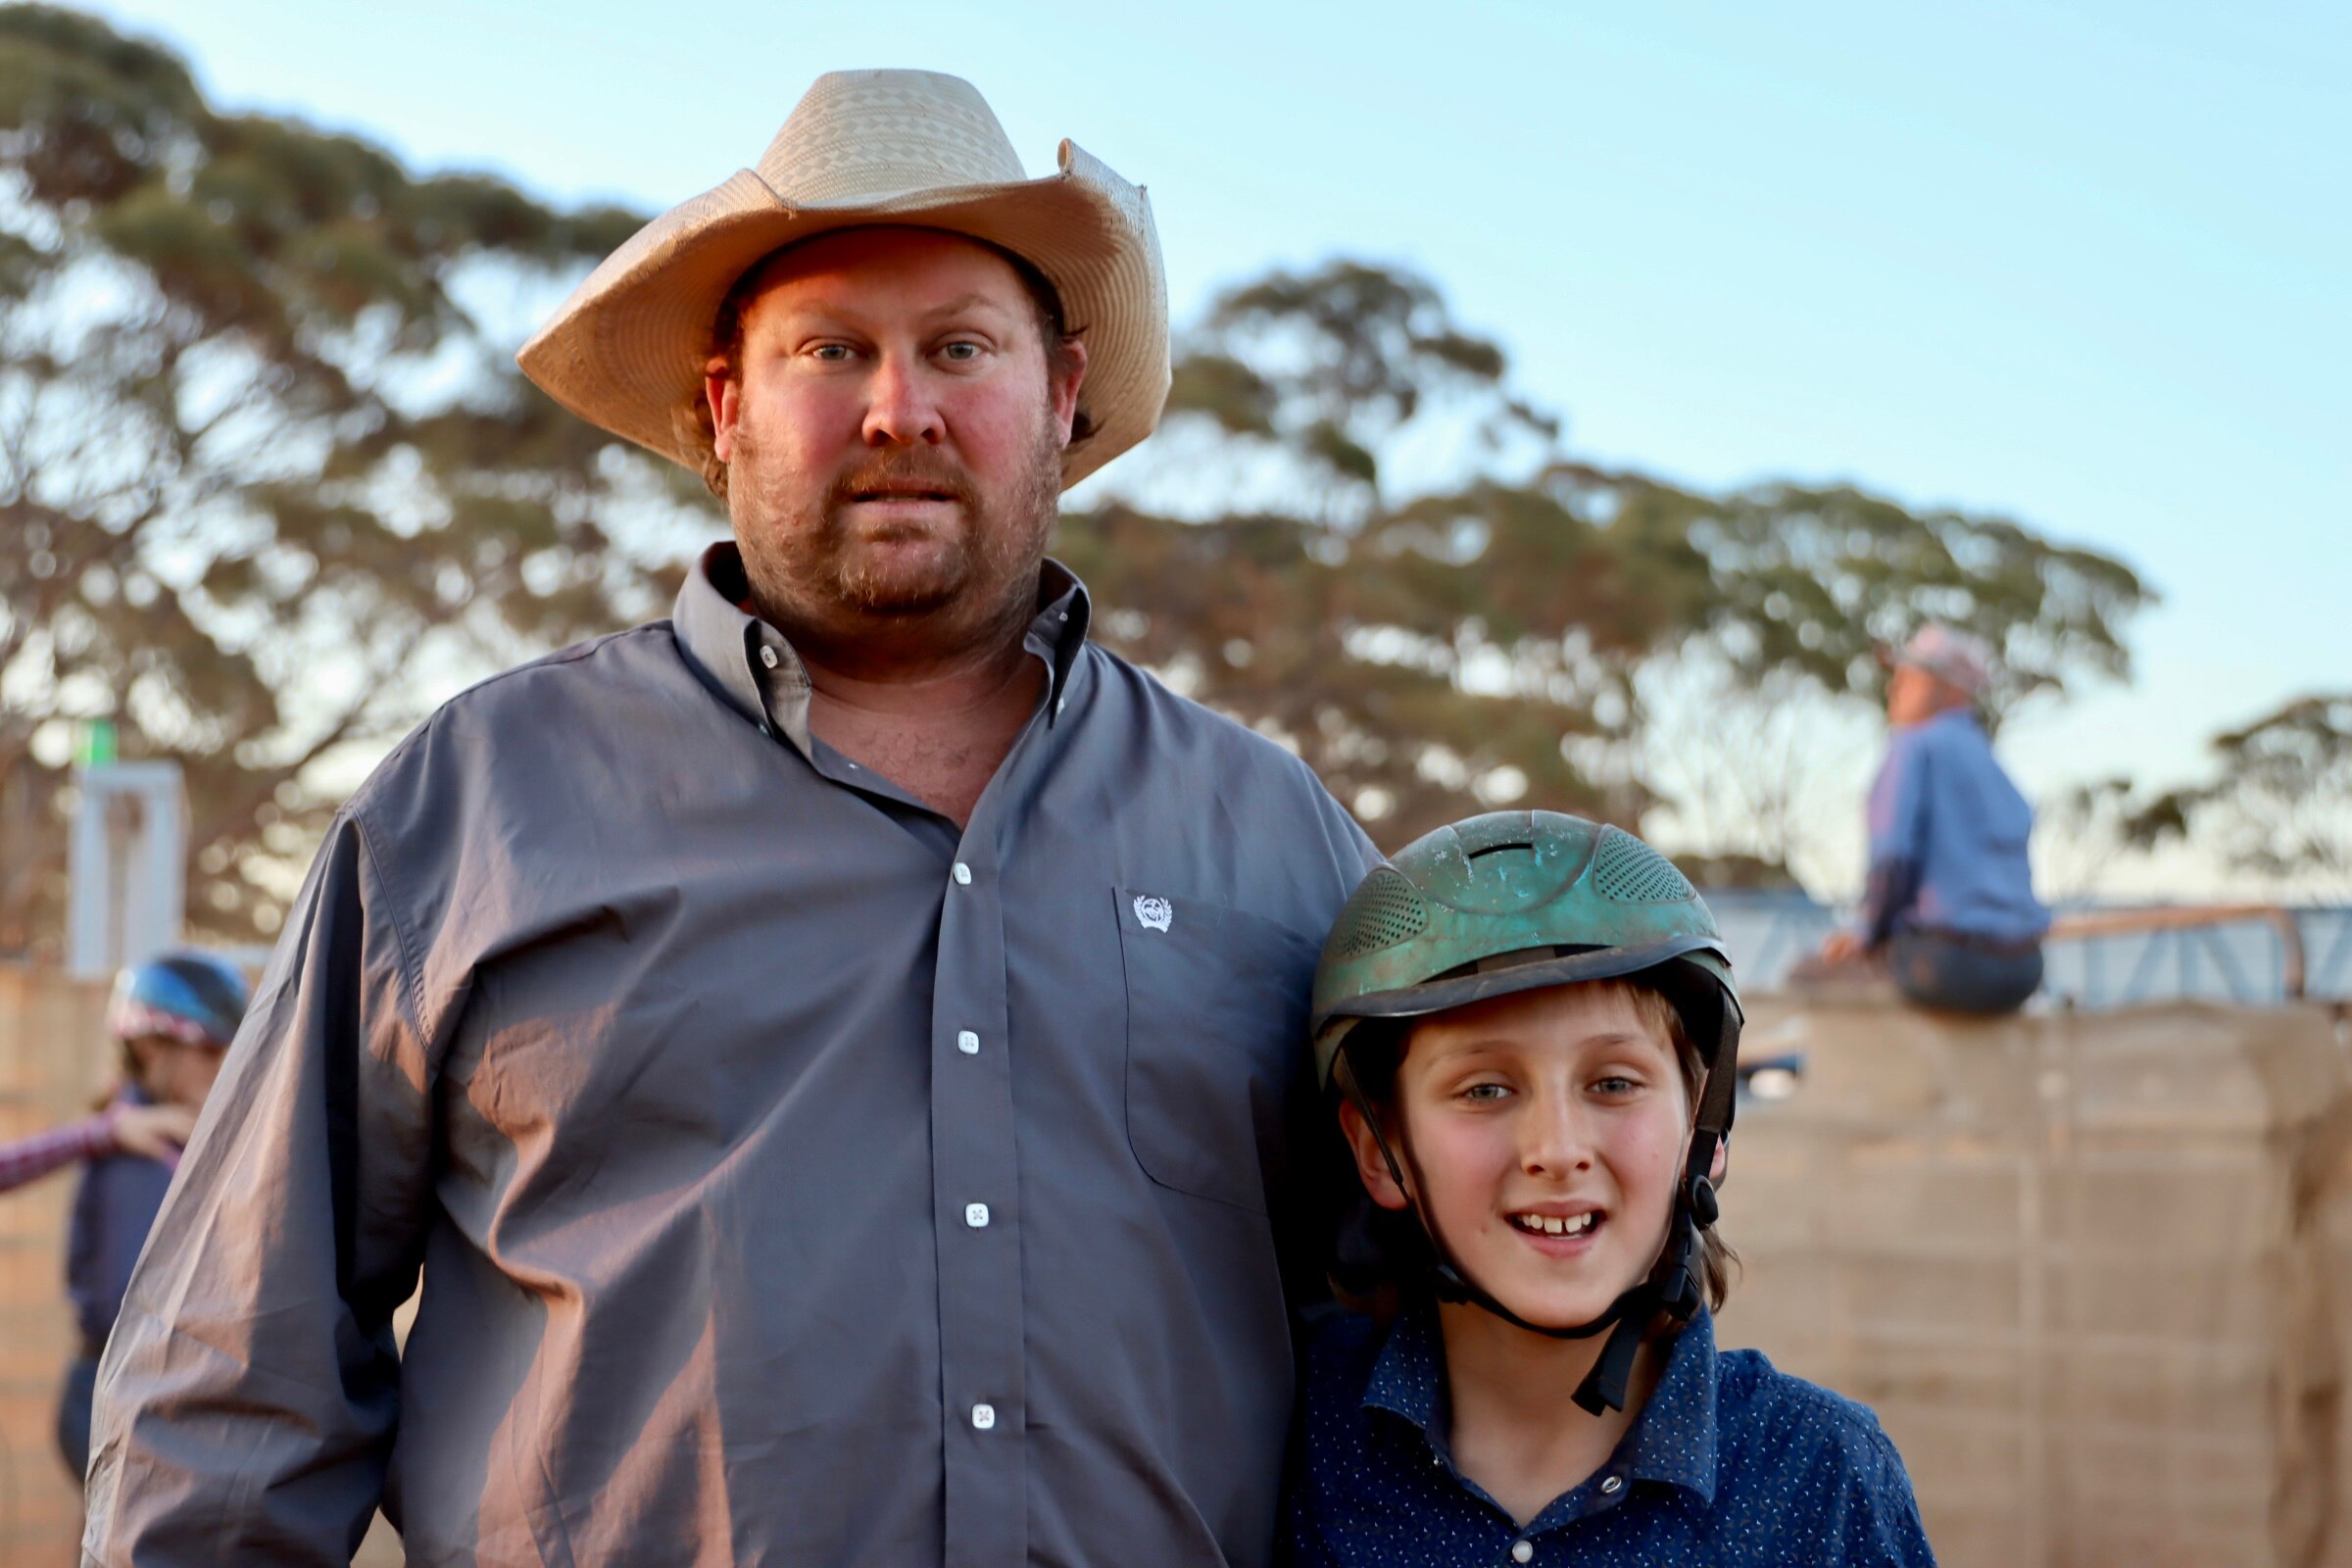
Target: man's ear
1065	372
721	390
1371	1166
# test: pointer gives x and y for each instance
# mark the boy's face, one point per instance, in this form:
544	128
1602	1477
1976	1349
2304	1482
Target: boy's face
1549	1129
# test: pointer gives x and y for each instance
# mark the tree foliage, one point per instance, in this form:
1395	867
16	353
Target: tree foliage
2279	803
270	480
265	466
1488	629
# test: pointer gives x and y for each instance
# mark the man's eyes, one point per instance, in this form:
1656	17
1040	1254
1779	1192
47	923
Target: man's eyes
962	351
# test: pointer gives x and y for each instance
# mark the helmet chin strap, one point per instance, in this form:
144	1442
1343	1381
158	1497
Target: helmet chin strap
1672	1286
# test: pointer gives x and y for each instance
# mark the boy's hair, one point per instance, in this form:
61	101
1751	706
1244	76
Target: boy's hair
1368	1274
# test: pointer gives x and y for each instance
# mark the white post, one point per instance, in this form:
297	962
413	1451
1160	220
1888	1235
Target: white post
127	863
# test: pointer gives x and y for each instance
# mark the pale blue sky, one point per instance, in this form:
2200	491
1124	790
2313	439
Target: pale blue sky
2086	265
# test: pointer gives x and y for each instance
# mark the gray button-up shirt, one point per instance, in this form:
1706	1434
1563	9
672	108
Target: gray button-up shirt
794	1179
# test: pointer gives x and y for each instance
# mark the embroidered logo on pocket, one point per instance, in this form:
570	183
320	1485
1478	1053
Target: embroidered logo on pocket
1154	915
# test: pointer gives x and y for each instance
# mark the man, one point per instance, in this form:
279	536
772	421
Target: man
829	1052
1949	907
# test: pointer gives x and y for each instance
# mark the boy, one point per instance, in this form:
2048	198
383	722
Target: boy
1532	1029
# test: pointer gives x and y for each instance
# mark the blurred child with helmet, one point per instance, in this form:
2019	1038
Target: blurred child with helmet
1528	1025
172	1019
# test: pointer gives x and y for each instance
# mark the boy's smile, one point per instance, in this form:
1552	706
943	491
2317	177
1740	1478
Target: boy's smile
1547	1131
1544	1226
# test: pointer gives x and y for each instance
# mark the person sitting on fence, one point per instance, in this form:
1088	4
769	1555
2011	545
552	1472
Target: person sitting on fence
1528	1026
171	1018
1949	910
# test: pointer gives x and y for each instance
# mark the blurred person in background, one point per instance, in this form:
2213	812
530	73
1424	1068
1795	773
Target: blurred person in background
118	1127
171	1018
1949	909
829	1055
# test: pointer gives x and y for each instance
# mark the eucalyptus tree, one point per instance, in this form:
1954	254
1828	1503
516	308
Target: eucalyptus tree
271	484
268	476
2277	802
1353	533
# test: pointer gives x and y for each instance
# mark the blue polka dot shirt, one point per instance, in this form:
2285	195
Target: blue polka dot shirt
1730	1463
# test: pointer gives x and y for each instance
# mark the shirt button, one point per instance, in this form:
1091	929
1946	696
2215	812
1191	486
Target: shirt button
1609	1486
976	1215
1523	1552
963	875
968	1041
767	657
984	1416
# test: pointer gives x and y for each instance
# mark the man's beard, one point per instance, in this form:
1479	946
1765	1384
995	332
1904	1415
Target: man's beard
812	561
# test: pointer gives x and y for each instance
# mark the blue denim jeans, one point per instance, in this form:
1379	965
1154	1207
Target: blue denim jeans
1956	975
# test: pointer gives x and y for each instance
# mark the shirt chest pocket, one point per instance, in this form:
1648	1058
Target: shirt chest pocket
1216	1042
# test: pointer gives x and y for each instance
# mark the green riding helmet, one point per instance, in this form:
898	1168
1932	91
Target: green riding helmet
1512	902
1516	901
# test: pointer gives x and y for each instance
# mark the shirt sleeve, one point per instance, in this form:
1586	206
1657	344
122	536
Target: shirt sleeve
1897	840
1883	1529
29	1159
248	1397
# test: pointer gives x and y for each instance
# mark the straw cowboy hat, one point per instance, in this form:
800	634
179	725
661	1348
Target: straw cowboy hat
626	351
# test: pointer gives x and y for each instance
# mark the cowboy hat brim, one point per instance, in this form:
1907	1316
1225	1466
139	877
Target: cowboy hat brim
627	350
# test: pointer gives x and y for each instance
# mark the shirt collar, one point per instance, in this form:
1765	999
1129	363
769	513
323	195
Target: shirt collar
753	670
1407	1380
1673	1440
1964	714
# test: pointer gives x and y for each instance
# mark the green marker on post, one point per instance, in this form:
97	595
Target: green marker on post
94	745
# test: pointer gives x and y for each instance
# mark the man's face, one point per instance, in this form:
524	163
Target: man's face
894	436
1549	1129
1914	696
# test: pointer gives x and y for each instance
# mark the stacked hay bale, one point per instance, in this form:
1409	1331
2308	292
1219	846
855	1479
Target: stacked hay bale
53	1059
2093	1270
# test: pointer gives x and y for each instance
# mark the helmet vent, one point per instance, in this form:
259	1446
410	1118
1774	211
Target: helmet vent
1629	871
1384	912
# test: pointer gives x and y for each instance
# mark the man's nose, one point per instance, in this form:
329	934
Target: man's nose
901	407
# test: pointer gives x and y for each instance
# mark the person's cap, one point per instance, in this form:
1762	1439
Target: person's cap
629	350
1961	660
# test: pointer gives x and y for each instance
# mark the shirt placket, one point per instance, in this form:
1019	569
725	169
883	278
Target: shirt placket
975	1175
976	1219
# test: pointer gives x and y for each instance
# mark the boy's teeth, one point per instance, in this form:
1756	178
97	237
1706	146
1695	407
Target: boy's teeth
1553	1224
